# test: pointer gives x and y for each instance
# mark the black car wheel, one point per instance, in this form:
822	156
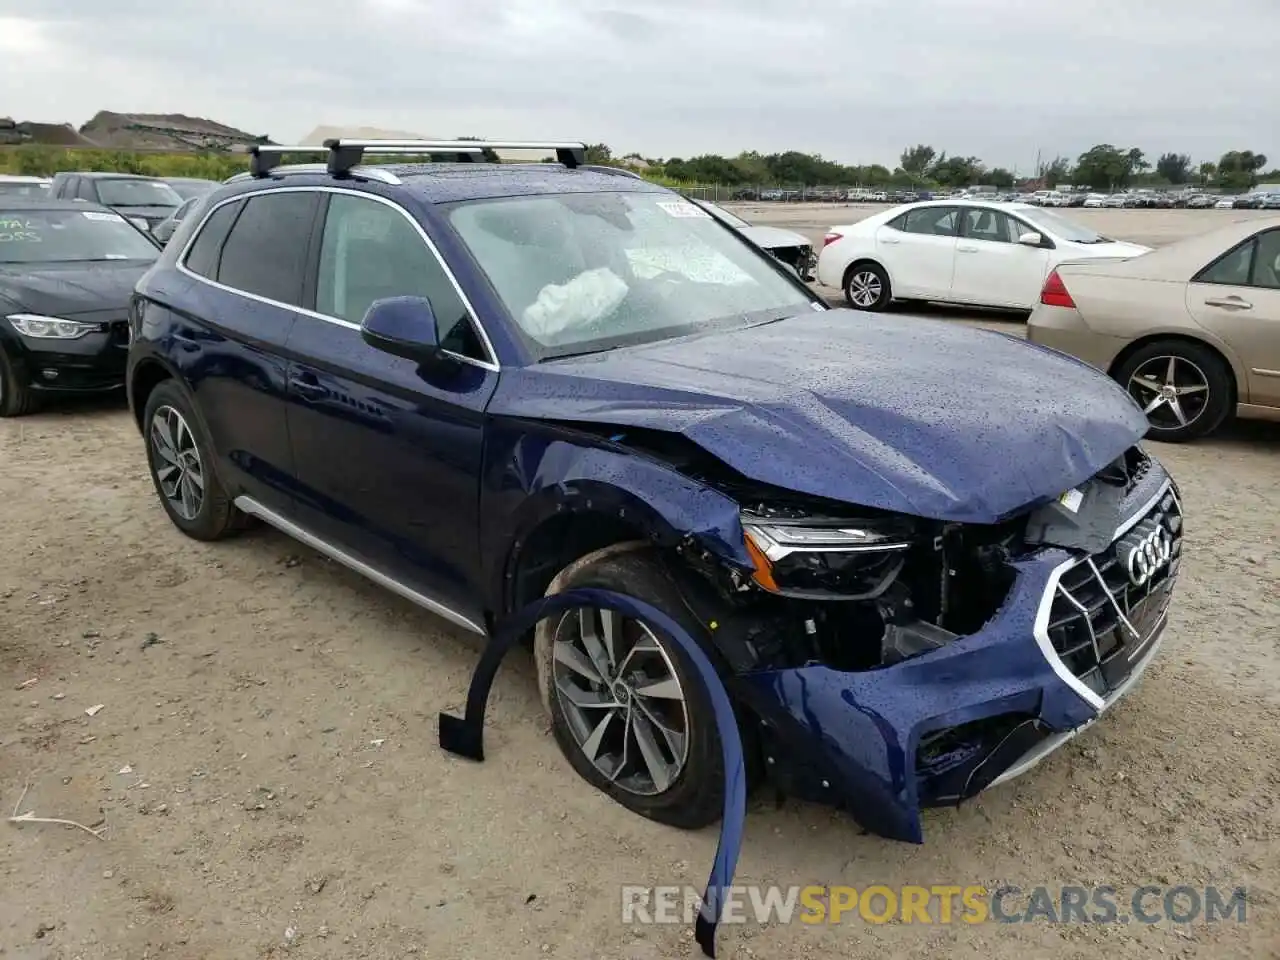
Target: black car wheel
866	286
1185	389
181	461
627	708
16	397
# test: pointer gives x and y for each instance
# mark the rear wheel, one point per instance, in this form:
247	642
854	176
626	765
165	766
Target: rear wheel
628	708
181	461
866	286
1185	389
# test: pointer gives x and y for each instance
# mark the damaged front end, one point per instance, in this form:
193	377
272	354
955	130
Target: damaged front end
899	664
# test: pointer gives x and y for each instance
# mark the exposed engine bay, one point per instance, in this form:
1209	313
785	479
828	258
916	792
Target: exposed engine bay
889	587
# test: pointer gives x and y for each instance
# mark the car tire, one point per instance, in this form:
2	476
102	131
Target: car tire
16	396
181	462
1197	371
866	286
693	796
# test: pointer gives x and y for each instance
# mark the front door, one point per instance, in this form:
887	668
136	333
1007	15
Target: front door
992	268
1237	298
387	453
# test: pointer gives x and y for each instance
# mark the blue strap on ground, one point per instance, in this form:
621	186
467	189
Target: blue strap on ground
465	735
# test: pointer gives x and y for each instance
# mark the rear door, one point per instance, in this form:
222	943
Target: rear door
992	268
1237	298
387	453
249	262
919	249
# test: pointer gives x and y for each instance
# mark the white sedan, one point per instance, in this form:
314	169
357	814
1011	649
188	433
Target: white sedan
957	251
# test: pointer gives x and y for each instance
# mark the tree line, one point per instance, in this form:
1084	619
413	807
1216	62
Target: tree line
1102	167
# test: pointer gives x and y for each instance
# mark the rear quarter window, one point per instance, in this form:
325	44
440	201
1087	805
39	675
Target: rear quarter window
206	249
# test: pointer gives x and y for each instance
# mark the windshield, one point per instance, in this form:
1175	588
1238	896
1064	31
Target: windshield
24	188
721	213
137	193
187	189
69	236
592	271
1065	229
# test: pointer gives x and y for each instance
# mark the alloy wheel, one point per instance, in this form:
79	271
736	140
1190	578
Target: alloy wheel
1172	391
179	470
622	699
865	288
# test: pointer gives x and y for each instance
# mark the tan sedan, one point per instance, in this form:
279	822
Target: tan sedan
1191	330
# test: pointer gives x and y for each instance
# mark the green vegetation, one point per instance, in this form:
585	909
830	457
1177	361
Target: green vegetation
1103	167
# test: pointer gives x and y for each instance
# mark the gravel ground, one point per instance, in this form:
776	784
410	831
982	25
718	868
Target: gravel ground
265	763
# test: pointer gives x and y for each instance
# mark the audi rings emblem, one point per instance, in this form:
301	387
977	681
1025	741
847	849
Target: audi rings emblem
1147	555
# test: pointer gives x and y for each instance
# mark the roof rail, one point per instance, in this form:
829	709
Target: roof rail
344	154
367	173
613	171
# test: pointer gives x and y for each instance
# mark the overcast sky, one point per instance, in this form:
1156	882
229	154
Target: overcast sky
854	80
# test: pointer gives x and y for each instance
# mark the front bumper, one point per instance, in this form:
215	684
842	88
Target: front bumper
92	363
944	726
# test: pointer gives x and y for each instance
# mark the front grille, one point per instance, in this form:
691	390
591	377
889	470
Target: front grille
1106	607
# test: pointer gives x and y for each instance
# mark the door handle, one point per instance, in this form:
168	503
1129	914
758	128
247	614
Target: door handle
308	387
890	240
1230	303
964	248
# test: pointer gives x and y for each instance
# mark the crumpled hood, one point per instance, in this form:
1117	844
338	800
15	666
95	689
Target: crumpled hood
898	413
72	288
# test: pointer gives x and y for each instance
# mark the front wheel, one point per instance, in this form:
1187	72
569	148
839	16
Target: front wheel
15	393
628	709
1185	389
866	287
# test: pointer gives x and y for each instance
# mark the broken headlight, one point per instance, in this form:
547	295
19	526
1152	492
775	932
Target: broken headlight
826	558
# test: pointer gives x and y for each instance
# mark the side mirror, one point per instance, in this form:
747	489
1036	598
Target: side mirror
403	327
1031	239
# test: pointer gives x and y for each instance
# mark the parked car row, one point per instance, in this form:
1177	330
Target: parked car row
1191	330
479	391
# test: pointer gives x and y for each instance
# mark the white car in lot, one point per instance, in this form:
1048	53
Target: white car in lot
957	251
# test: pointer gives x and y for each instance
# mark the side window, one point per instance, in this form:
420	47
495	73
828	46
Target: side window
87	189
1232	268
63	189
990	225
1266	260
180	214
203	256
931	221
266	252
369	251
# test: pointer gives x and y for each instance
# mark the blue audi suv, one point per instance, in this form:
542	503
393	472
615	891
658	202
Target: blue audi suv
920	557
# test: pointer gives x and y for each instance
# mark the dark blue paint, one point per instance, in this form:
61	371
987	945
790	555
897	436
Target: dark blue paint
404	326
920	417
465	736
440	474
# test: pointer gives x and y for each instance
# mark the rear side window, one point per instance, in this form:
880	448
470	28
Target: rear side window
266	252
929	221
87	190
203	256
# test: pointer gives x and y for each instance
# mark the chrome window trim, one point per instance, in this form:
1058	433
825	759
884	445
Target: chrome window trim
181	263
1044	611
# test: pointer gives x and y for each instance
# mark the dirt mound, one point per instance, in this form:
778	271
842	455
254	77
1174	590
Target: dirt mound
163	131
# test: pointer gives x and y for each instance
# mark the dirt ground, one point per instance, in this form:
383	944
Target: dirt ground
265	762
